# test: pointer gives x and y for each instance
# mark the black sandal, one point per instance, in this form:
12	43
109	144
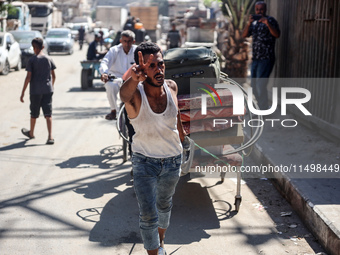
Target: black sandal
26	132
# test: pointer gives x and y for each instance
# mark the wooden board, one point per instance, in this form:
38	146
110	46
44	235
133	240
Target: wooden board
147	15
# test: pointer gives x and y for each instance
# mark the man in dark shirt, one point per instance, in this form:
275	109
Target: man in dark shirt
41	77
81	35
264	31
173	37
92	52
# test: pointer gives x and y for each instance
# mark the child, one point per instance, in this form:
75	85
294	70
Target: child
41	77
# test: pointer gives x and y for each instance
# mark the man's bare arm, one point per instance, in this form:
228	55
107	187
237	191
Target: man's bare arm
129	93
53	77
26	82
246	28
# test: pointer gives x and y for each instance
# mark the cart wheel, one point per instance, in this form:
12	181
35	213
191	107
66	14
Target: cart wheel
90	80
84	78
237	204
90	76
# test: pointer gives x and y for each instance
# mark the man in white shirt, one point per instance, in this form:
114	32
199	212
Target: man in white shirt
116	62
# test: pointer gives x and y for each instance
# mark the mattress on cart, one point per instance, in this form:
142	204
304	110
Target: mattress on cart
193	101
208	125
196	114
232	135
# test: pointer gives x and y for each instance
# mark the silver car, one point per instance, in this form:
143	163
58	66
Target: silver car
59	40
10	53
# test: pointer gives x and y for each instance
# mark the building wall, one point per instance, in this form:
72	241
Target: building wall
309	47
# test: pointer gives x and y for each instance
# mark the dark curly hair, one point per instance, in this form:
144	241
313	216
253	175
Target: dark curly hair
38	42
146	48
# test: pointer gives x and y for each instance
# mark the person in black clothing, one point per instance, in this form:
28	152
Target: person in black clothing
173	38
264	31
41	78
92	52
130	24
81	35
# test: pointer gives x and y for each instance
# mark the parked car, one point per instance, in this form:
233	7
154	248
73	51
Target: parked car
10	53
59	40
24	38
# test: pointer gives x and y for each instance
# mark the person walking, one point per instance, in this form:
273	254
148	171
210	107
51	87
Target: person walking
116	62
81	36
174	38
264	30
151	105
41	78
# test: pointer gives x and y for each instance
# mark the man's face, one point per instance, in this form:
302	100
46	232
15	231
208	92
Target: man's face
127	43
155	71
260	9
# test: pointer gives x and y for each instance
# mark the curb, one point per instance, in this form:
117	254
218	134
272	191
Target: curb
311	216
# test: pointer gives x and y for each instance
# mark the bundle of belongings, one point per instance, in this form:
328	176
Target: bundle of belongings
196	71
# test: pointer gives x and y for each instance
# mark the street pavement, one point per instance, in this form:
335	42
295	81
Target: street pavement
76	196
309	175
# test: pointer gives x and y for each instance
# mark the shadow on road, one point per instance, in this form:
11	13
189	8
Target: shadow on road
117	221
79	112
97	87
105	160
18	145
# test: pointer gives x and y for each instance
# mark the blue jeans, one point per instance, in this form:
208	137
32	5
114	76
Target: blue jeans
155	180
260	71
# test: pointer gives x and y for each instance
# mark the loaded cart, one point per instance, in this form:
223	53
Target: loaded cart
207	115
89	72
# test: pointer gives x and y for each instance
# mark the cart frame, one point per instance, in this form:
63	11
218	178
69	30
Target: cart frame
89	72
123	132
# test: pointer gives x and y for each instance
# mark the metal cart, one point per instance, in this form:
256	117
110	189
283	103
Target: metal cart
89	73
123	132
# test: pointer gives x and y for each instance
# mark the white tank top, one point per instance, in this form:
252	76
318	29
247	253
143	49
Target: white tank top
156	133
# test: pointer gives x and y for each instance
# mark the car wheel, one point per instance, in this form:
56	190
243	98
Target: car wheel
18	67
6	69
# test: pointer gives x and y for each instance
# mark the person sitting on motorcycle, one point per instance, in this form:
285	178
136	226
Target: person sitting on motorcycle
116	62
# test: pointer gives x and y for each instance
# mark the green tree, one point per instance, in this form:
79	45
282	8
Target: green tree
5	9
237	12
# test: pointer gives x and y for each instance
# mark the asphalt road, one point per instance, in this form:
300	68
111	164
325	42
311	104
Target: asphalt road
76	196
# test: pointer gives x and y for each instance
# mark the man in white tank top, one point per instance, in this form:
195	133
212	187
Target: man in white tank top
151	104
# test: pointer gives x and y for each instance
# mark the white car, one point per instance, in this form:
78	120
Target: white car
10	53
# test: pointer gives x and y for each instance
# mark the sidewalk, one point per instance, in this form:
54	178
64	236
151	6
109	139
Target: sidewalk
315	199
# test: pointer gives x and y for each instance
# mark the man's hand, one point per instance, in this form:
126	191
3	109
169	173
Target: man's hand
104	77
250	20
22	98
139	71
264	20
